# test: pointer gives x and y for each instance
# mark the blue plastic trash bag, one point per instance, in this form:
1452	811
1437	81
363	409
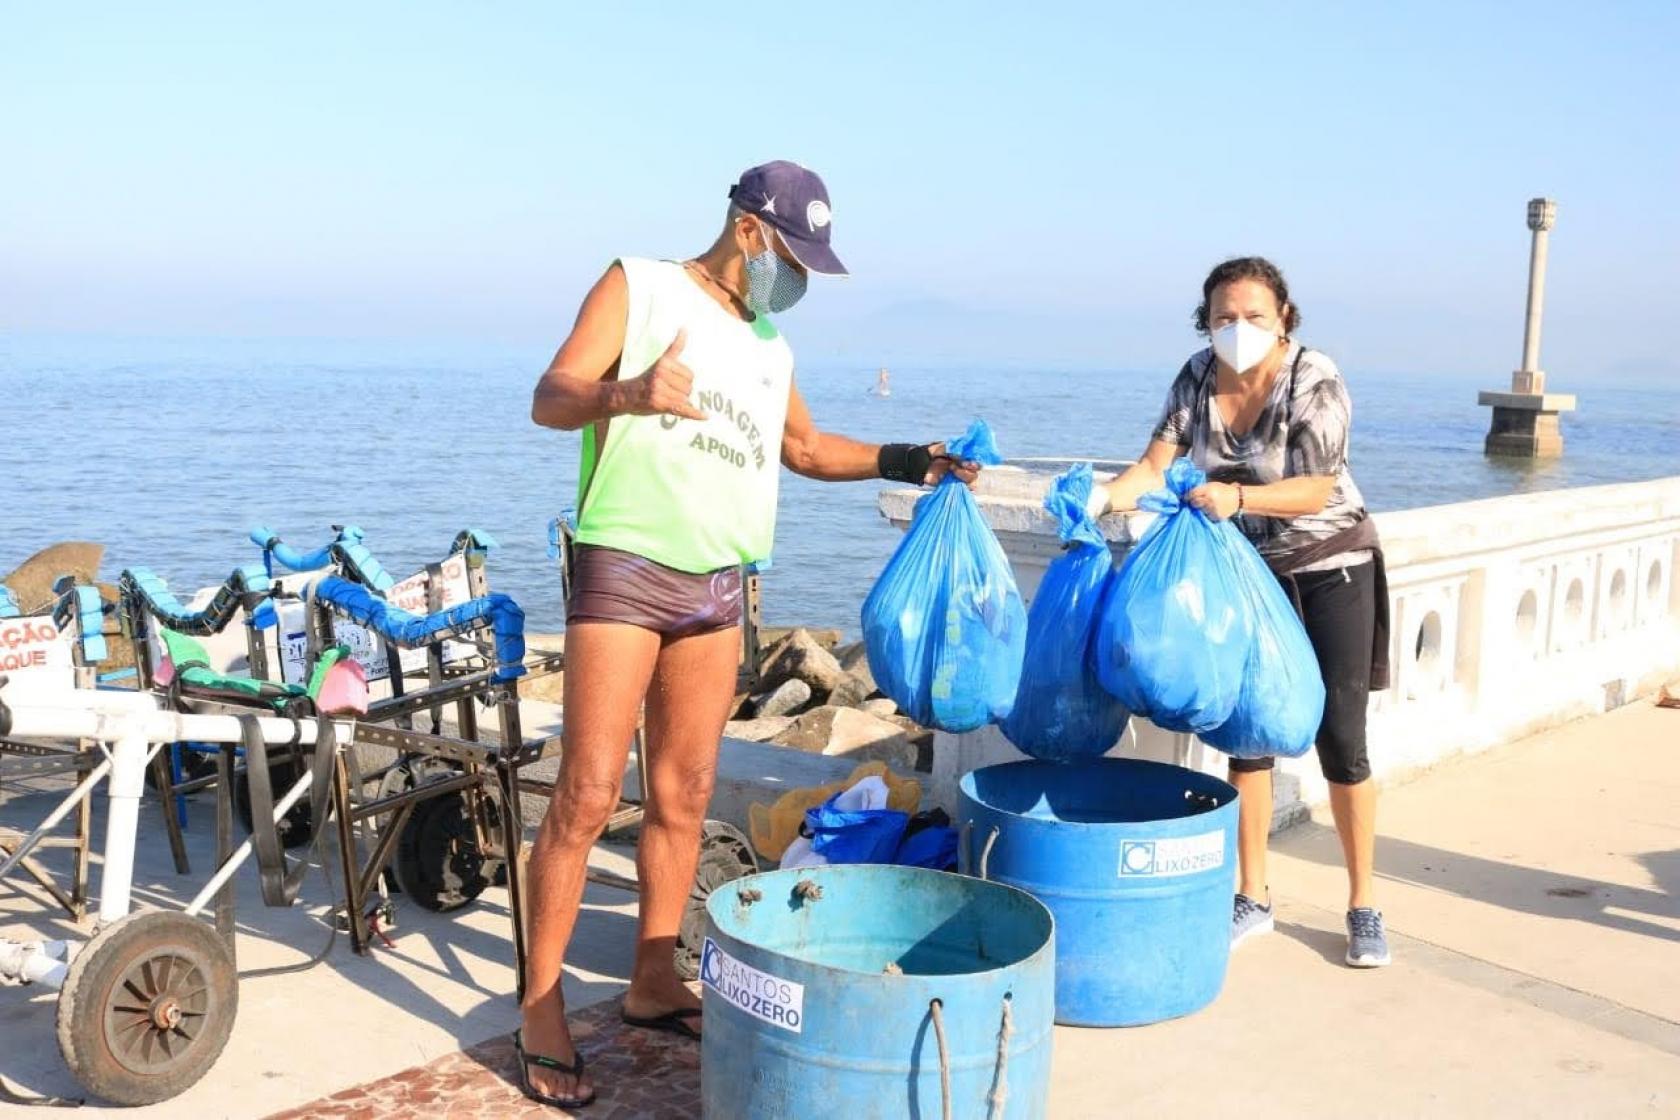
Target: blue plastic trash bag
1174	640
1061	711
934	846
944	626
1282	699
855	835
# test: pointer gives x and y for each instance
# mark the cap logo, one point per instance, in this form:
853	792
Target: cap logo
769	206
817	214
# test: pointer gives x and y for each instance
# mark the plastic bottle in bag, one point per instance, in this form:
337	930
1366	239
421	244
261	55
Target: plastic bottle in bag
944	626
1061	710
1174	640
1281	702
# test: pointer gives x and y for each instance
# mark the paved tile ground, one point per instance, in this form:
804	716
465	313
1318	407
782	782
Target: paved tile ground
639	1075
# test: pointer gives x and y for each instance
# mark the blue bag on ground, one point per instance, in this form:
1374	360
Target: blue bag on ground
934	847
855	835
1061	711
1174	641
1282	699
944	626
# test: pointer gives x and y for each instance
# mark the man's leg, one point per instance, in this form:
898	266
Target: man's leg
608	666
687	706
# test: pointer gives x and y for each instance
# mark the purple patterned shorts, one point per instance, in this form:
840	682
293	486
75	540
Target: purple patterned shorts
613	586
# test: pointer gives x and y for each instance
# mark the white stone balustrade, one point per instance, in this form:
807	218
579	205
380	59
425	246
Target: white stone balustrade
1508	616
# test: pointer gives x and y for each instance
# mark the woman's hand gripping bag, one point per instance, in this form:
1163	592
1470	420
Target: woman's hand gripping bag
1174	640
944	626
1282	699
1061	711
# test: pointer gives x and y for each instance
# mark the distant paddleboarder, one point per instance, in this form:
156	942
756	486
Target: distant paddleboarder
882	388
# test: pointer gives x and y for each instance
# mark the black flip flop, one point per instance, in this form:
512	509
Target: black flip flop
672	1022
573	1068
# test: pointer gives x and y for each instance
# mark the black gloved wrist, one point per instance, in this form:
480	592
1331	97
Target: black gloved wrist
904	462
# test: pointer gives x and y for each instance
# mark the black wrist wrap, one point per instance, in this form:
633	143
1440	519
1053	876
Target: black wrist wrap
904	462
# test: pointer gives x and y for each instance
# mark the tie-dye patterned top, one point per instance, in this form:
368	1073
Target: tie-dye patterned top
1302	430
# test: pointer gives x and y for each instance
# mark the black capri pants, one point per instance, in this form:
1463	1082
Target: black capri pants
1338	607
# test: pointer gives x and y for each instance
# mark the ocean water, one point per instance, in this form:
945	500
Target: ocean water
168	452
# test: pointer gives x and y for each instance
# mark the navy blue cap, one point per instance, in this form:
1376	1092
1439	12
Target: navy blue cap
793	200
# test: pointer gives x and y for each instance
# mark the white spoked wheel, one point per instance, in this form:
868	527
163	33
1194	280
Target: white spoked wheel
147	1006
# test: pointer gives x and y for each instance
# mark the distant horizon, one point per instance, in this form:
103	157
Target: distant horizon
443	352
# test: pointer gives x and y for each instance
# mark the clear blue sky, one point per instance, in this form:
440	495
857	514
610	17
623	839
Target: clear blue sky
1047	184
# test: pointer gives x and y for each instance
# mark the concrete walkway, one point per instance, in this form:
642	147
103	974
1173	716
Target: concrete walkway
1533	894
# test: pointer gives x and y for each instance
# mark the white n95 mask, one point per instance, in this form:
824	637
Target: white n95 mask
1242	345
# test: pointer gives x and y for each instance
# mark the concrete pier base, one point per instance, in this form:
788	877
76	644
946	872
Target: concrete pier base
1525	425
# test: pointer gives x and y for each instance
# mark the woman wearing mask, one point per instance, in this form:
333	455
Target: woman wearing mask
1267	420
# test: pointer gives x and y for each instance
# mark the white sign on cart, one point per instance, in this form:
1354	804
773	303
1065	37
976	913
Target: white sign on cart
33	649
410	595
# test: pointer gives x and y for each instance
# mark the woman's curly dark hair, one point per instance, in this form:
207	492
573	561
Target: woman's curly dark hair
1258	269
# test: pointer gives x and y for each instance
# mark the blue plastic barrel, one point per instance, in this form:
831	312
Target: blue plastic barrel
1135	859
827	989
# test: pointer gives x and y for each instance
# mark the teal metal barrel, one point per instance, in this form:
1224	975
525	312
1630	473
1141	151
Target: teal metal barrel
1136	861
863	992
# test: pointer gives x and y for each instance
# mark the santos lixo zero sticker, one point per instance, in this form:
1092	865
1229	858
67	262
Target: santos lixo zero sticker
1177	855
781	1003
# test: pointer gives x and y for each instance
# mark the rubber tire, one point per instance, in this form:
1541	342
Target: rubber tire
400	779
725	855
99	968
438	828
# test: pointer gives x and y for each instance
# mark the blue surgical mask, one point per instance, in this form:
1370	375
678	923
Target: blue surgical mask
773	285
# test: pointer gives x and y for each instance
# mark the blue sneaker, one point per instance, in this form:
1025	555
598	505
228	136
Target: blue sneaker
1367	943
1249	919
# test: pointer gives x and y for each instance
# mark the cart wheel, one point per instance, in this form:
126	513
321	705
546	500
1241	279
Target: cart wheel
297	827
147	1006
438	863
407	774
725	855
401	778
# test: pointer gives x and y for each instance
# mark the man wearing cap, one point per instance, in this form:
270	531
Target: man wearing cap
685	393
